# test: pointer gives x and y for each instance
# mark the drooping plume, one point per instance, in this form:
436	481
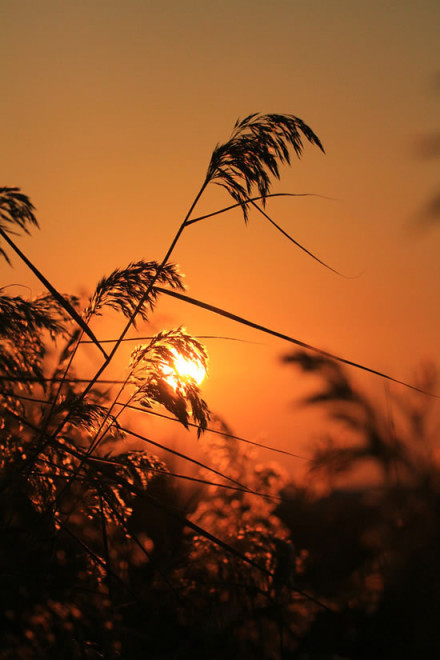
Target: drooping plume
259	144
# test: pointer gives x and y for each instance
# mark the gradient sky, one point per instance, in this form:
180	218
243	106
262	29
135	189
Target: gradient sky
109	114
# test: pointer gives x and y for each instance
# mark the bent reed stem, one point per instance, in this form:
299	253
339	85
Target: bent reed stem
292	340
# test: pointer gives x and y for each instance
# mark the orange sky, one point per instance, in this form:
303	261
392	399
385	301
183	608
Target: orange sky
109	114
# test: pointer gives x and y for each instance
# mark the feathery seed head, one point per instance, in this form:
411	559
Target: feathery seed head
259	143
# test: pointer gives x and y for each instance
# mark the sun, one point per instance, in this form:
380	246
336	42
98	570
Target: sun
183	369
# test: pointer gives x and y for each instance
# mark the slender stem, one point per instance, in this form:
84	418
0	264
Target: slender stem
224	434
146	294
301	247
63	302
292	340
254	199
226	546
110	356
106	546
185	457
112	341
60	386
99	435
140	545
34	379
154	413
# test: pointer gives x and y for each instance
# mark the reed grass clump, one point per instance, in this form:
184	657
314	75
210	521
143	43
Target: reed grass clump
107	549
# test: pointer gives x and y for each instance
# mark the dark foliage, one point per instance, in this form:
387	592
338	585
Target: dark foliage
105	554
371	550
16	211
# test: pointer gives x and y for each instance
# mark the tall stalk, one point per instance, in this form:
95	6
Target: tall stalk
58	297
144	298
247	162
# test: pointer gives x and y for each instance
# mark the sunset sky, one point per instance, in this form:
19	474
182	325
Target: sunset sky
110	111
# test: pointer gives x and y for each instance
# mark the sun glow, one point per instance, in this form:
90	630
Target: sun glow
183	369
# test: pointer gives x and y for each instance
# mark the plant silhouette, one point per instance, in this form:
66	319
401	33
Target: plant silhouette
107	550
370	549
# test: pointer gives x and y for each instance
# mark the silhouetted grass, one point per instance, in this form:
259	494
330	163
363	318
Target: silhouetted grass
108	552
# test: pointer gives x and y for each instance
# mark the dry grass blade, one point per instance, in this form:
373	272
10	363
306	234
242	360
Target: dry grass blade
222	433
292	340
249	201
65	303
292	240
16	210
113	341
185	457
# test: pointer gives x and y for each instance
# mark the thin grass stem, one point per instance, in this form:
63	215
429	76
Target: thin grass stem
215	431
58	297
254	199
301	247
292	340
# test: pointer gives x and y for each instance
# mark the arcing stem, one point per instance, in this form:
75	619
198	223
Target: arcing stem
290	238
254	199
292	340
